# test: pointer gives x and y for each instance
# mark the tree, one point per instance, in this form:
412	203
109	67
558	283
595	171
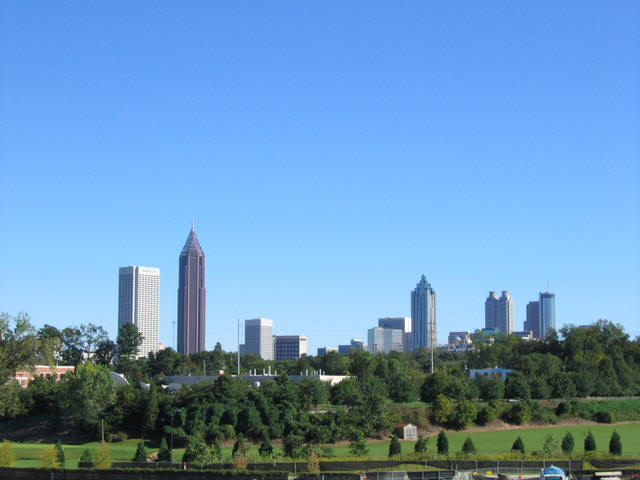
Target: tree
421	445
49	457
491	388
266	449
443	443
589	442
238	446
394	446
85	457
468	447
550	447
196	451
164	454
60	453
151	410
7	455
517	387
292	446
103	459
463	414
128	341
518	446
567	444
358	446
441	409
141	453
434	385
18	345
105	352
615	444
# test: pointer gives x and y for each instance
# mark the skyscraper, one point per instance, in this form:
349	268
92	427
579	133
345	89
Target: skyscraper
191	297
398	323
547	313
258	337
532	323
423	316
498	312
138	289
384	340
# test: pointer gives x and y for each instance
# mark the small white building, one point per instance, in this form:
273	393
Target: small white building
406	431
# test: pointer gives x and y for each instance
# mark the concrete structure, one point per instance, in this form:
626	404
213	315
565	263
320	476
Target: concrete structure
524	335
355	344
547	313
398	323
258	338
289	347
384	340
255	380
459	341
23	377
498	312
191	297
532	322
423	316
406	431
489	372
138	292
325	350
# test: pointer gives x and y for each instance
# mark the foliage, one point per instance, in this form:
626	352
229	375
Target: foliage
603	416
128	341
102	458
464	414
518	446
141	453
443	443
60	453
567	444
293	446
421	445
358	446
85	457
164	454
239	446
520	413
7	455
486	414
615	444
468	447
394	446
50	457
313	463
589	442
266	449
550	447
441	409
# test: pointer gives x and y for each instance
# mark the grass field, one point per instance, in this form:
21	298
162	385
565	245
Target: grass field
487	443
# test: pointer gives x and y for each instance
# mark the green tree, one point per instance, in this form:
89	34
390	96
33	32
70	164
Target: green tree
196	451
164	454
464	414
85	458
358	445
468	447
490	388
443	443
550	447
60	453
434	385
19	346
441	409
394	446
141	453
49	457
128	341
102	458
518	446
238	446
7	455
615	444
151	411
421	445
516	387
293	446
589	442
266	449
567	444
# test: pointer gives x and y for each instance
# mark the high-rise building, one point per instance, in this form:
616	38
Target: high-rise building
398	323
384	340
532	323
355	344
289	347
258	337
498	312
138	290
191	297
547	313
423	316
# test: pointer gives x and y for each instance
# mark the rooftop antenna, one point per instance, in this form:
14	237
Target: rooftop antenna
193	224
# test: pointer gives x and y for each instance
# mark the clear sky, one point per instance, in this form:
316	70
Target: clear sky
330	152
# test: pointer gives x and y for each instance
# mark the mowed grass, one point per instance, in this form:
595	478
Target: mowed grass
487	443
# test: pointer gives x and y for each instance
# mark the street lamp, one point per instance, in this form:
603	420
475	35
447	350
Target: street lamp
173	412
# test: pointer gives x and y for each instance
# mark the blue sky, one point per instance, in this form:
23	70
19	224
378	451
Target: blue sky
330	153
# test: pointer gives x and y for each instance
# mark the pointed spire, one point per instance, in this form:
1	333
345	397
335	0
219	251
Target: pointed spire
192	246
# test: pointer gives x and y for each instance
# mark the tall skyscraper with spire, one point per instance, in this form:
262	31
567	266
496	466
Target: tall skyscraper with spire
191	296
423	316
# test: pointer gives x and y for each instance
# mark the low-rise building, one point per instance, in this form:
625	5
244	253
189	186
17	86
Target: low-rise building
23	377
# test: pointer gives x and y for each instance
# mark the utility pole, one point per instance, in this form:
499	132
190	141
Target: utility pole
173	323
238	347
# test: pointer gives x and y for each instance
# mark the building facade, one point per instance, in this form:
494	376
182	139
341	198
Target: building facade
399	323
423	316
498	312
532	322
355	344
138	292
23	377
258	337
325	350
191	297
490	310
384	340
547	321
289	347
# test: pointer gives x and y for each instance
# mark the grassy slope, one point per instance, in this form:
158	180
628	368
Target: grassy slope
487	443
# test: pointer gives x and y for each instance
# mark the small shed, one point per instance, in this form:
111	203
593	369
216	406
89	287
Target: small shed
406	431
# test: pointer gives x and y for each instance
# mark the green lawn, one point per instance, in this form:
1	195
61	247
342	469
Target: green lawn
487	443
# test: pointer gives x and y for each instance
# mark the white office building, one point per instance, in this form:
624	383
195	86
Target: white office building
385	340
258	337
138	304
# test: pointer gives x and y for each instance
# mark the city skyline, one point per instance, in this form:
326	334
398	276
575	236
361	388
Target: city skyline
330	153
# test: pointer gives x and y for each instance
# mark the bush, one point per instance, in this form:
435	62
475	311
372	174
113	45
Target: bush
520	413
567	444
441	409
114	437
50	457
7	455
485	415
141	453
60	453
266	449
394	446
603	417
103	460
85	457
564	408
589	442
615	444
518	446
468	446
238	446
164	454
464	414
421	445
443	443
